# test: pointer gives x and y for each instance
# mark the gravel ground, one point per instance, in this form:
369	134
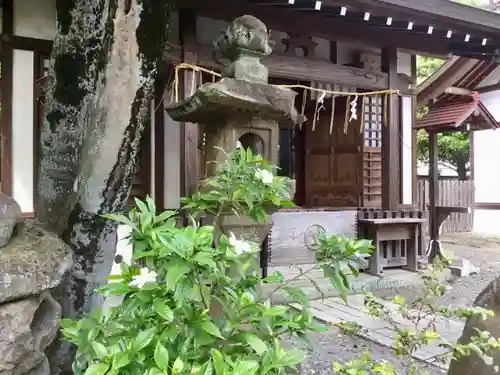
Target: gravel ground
483	253
334	346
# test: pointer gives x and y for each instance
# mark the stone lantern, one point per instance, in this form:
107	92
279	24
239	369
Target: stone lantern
242	106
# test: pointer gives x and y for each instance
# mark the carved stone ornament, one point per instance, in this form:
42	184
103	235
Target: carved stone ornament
244	43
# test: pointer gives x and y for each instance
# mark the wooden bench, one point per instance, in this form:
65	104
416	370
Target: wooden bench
393	229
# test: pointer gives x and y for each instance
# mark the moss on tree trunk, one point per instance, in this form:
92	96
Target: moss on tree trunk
104	65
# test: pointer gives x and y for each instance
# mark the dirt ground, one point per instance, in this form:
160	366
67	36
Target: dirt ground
334	346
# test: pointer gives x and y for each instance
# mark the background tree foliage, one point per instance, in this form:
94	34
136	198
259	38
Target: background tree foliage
453	148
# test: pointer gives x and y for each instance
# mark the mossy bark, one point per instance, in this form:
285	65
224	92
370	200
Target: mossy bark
104	64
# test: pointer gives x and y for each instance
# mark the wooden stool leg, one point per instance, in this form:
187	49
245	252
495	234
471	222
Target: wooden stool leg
412	250
375	267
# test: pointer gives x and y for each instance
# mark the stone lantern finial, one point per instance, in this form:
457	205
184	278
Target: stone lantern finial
244	43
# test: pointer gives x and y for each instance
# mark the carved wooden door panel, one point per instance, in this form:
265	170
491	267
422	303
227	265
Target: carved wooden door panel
332	161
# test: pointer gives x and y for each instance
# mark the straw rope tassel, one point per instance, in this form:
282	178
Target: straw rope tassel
176	84
303	111
316	115
362	122
347	111
385	109
193	83
332	117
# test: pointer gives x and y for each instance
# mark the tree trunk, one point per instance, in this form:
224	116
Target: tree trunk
462	171
104	66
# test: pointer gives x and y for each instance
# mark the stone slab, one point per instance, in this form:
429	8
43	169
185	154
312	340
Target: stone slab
334	310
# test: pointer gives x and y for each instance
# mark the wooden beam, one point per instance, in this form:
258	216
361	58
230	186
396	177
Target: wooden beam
32	44
489	88
487	206
7	55
439	12
433	194
303	69
390	138
444	77
458	91
189	131
318	25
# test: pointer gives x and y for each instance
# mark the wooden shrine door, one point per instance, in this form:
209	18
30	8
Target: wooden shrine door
332	161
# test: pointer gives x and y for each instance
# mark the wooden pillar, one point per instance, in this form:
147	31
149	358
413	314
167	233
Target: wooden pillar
433	195
414	132
6	57
390	137
189	131
159	142
471	155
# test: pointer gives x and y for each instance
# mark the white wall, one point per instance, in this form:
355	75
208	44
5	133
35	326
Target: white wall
35	18
486	175
172	164
407	150
22	129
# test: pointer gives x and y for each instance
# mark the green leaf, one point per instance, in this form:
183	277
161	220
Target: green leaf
204	258
276	311
272	279
205	369
144	338
165	216
151	204
141	205
174	274
99	349
246	368
218	362
163	310
120	360
297	295
178	366
211	329
97	369
161	357
337	280
120	219
259	346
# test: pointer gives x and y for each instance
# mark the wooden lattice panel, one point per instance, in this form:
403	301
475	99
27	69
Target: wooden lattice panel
372	152
372	177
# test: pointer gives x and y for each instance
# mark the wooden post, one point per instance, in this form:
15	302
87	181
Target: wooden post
6	98
433	195
414	132
189	131
159	142
390	137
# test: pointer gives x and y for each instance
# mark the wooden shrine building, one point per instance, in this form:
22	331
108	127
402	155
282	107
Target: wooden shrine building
347	46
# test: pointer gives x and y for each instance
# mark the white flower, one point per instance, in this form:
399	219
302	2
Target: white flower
240	246
238	145
265	176
145	276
